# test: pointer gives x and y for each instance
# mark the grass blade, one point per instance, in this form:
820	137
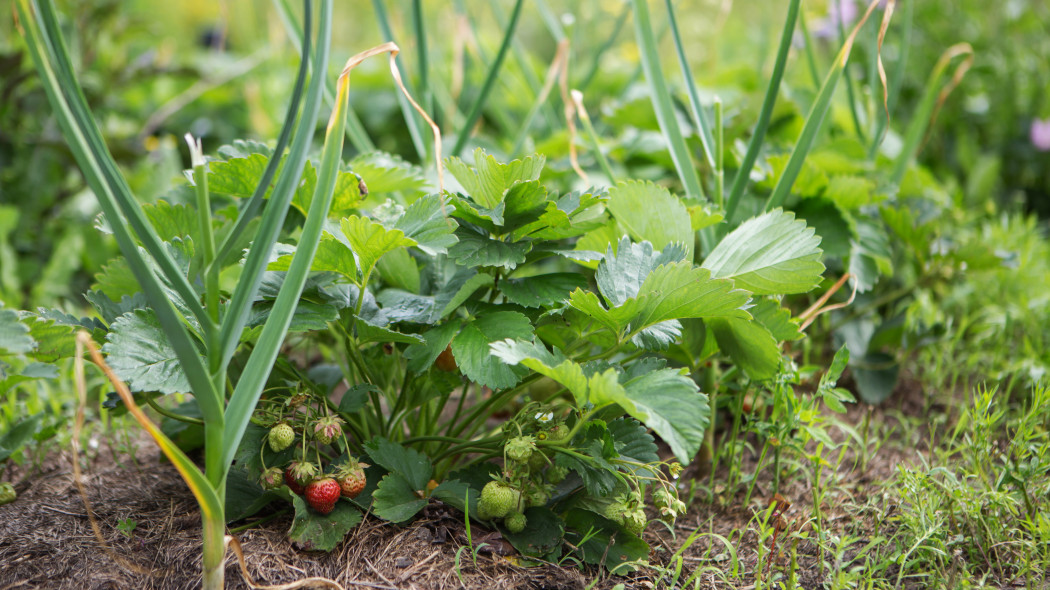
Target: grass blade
743	174
662	103
279	202
815	118
255	203
479	103
699	119
932	98
411	119
260	363
893	86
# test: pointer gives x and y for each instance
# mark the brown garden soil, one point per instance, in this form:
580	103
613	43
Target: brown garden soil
47	541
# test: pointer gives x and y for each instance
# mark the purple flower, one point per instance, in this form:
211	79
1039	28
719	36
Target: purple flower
840	11
1039	133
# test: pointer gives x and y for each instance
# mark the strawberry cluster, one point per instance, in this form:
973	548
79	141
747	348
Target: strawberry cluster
305	420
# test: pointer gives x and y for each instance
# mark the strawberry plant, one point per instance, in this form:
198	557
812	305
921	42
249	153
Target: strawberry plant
499	346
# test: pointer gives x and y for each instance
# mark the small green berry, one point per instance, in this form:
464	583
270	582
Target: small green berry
515	522
557	474
635	521
616	512
281	437
520	448
7	493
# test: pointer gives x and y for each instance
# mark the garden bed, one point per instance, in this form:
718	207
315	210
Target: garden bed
46	538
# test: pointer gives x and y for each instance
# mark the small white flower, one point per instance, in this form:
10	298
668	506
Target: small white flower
541	417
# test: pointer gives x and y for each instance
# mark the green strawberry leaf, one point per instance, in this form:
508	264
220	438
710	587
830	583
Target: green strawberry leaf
411	464
870	256
488	180
671	404
600	541
172	221
110	310
665	400
395	499
776	319
649	212
356	397
525	203
370	240
770	254
237	177
751	346
542	536
455	493
18	435
598	474
427	222
139	353
633	440
471	348
422	356
386	173
244	495
14	335
308	317
399	270
474	249
332	256
680	290
621	274
550	290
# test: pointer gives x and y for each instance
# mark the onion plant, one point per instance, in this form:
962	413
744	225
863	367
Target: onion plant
203	327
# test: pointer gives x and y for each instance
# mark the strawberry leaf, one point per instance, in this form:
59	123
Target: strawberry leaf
649	212
140	354
472	352
751	346
411	464
395	499
770	254
488	180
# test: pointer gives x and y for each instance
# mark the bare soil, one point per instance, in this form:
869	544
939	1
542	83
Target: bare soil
47	541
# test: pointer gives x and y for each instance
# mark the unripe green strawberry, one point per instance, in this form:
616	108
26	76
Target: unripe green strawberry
537	461
322	494
515	522
326	429
537	496
7	493
559	433
520	448
272	478
616	512
497	500
281	437
635	521
556	474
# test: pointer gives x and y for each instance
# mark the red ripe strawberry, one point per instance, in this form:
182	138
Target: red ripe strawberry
298	474
322	494
289	480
